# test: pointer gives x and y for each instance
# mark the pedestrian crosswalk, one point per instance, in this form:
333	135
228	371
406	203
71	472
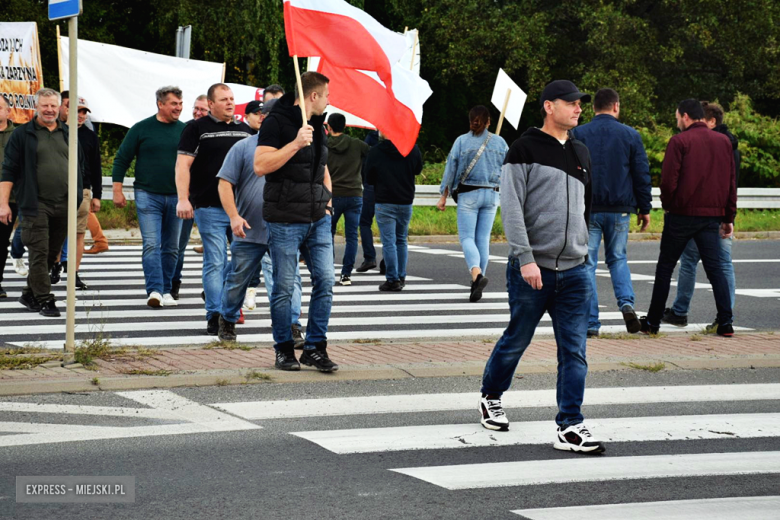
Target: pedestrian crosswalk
115	306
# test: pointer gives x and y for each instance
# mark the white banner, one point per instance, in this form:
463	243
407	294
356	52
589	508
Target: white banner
119	83
21	75
243	94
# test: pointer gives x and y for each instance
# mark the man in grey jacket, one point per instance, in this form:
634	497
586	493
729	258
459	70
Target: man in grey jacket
545	206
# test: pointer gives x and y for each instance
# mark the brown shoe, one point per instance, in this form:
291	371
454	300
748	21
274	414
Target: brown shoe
97	248
198	249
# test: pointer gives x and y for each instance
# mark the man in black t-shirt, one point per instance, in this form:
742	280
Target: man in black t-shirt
202	149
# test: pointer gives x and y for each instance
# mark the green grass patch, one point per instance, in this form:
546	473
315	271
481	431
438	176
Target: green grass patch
227	345
618	335
654	367
24	361
254	375
147	372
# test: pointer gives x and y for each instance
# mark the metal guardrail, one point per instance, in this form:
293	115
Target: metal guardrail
747	198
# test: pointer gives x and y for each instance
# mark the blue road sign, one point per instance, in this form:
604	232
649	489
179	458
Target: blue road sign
59	9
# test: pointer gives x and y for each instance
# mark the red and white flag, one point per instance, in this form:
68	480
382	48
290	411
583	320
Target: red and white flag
360	57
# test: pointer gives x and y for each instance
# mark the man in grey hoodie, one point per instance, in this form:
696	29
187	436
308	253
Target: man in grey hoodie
545	206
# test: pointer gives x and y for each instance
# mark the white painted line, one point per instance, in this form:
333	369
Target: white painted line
74	409
624	429
744	508
595	469
759	293
369	405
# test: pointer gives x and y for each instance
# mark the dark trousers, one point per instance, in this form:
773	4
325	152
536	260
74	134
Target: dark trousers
44	235
366	218
6	231
678	231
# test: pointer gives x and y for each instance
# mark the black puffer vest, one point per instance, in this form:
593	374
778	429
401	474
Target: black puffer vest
295	192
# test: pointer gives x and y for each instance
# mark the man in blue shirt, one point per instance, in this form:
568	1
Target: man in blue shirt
621	187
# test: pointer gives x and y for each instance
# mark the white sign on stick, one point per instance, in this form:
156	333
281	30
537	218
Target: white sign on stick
517	97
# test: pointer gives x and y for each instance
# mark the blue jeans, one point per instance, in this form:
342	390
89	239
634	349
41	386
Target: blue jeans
565	295
614	228
366	219
285	240
160	229
212	224
678	231
351	208
184	239
686	281
393	221
17	247
266	266
246	256
476	213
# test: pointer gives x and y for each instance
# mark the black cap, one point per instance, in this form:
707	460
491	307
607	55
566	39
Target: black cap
269	105
563	89
253	107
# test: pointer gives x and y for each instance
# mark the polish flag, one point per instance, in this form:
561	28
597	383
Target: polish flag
360	57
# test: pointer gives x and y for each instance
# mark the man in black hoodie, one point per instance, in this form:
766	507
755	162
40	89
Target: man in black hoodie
293	157
545	206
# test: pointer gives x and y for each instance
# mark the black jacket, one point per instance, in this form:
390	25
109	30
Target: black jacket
20	166
93	169
391	173
723	129
295	193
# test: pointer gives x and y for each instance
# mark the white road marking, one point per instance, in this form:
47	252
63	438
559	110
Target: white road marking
74	409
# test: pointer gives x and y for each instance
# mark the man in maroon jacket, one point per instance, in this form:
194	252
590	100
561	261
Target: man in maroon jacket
699	196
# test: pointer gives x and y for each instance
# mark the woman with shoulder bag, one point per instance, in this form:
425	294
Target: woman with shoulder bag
472	177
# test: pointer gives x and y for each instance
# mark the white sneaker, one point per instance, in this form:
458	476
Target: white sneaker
250	301
20	267
168	301
155	300
493	415
578	438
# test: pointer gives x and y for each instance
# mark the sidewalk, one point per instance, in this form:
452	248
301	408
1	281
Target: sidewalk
199	366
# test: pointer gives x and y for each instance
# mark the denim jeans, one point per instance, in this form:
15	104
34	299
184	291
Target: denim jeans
267	266
366	219
160	229
614	228
678	231
285	240
351	208
565	295
686	280
212	225
393	221
17	247
245	258
476	213
184	239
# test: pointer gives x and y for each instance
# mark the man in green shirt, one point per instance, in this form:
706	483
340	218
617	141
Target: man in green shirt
153	143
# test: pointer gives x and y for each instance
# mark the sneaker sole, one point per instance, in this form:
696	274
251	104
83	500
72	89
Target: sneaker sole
632	322
476	295
30	307
495	427
326	370
345	283
592	450
50	315
293	368
154	303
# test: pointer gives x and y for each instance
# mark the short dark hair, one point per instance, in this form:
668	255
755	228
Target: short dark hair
273	89
692	107
713	111
478	119
213	88
312	81
337	122
604	99
65	94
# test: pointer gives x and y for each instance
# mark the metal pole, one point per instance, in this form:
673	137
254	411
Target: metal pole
185	42
73	126
178	42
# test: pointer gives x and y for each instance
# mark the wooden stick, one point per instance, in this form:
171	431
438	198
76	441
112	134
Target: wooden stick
59	57
414	48
301	100
224	65
503	111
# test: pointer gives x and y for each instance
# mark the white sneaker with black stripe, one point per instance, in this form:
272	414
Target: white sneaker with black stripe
493	415
577	438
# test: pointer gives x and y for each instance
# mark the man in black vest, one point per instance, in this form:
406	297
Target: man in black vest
297	207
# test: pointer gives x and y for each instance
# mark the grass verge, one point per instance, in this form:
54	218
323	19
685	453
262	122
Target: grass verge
654	367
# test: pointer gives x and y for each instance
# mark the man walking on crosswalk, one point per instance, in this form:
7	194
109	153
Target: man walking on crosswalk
545	205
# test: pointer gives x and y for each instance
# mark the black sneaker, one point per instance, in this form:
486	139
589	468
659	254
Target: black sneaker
646	328
297	334
477	286
366	265
29	301
227	330
629	317
203	295
395	286
402	281
345	280
674	319
593	333
3	294
175	286
50	310
285	360
382	268
318	359
726	331
56	273
80	283
212	328
64	266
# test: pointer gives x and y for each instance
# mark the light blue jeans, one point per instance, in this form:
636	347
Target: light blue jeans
393	221
184	239
686	279
614	228
160	230
213	224
244	260
476	213
268	276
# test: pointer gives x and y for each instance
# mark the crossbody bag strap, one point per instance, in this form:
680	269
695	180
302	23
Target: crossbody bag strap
474	160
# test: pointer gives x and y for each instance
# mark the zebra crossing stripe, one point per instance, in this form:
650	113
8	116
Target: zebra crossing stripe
624	429
593	469
744	508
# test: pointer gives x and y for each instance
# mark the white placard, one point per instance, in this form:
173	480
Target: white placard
516	98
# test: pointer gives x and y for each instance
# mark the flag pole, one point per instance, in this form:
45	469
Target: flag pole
414	49
300	90
503	111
